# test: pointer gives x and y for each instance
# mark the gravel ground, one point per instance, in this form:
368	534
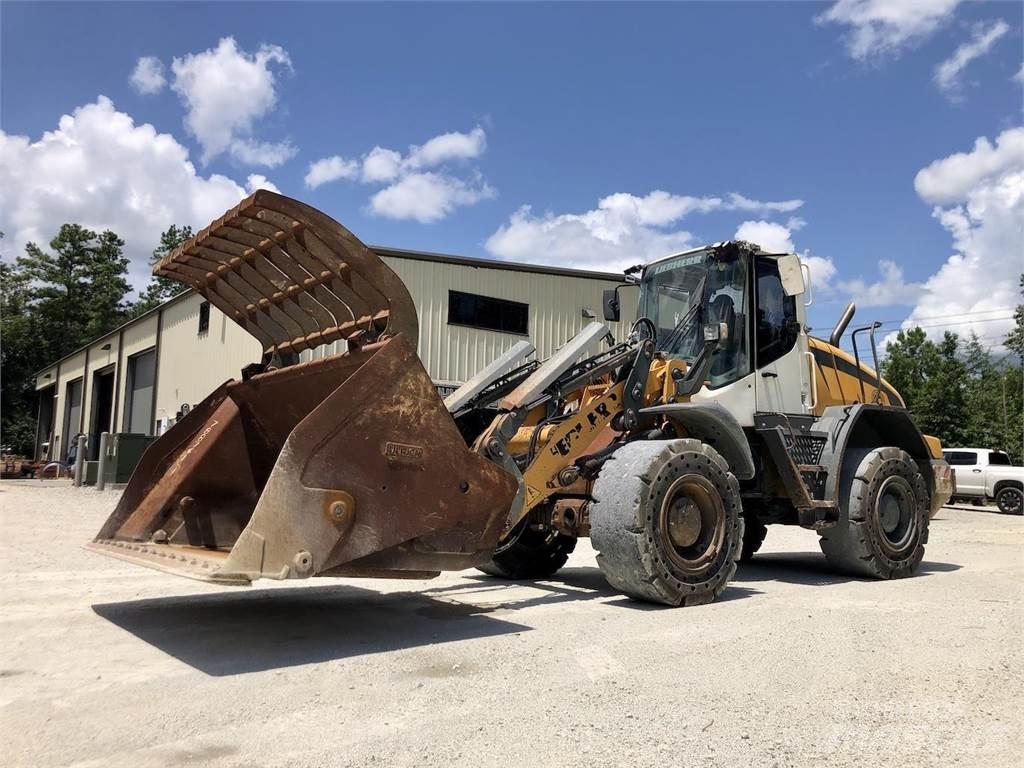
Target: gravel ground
105	664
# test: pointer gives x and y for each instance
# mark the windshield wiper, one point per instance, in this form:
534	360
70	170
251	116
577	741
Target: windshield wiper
687	320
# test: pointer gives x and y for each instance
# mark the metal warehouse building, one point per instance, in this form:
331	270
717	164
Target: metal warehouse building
138	377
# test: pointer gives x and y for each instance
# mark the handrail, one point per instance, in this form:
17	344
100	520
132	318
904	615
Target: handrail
874	351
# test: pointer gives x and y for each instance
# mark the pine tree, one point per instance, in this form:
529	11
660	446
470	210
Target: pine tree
20	357
160	289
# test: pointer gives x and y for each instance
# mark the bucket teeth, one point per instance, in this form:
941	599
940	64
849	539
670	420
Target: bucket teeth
292	277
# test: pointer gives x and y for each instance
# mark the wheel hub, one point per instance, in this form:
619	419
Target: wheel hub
692	522
895	508
1012	501
683	522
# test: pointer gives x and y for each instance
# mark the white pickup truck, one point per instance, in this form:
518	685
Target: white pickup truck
982	474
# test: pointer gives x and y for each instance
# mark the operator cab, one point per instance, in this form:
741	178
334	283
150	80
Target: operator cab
746	300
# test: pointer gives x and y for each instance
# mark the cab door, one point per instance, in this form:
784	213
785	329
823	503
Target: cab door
782	376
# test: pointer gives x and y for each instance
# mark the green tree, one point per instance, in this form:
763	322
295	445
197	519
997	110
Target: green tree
51	303
20	357
930	377
1015	338
160	289
79	287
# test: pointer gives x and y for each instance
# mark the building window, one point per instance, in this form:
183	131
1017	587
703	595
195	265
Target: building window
488	312
204	317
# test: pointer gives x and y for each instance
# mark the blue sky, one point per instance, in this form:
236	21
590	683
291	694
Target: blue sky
556	107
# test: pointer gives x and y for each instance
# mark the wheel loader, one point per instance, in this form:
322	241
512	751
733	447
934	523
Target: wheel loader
672	449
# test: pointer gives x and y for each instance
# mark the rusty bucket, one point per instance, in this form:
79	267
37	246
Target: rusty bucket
348	465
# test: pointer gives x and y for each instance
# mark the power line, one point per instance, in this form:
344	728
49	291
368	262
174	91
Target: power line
958	322
957	314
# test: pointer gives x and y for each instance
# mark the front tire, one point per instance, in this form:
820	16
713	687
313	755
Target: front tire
754	532
667	522
1010	501
883	524
530	552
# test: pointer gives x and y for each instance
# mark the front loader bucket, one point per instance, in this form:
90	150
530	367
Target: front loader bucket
346	466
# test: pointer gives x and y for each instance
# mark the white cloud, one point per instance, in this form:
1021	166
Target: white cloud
148	75
886	27
1019	77
424	185
225	90
427	197
772	237
623	230
947	74
448	147
100	169
330	169
381	164
952	178
270	154
890	289
737	202
979	197
257	181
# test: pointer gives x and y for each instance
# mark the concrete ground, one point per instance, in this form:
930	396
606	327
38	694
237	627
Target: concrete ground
105	664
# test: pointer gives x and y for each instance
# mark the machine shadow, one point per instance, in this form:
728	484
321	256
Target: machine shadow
232	633
811	568
571	584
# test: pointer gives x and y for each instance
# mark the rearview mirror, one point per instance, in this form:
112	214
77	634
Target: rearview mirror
610	302
790	274
717	333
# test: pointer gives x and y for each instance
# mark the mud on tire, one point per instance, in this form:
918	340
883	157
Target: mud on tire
667	521
883	523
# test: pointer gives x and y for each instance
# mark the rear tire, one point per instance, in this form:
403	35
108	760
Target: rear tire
754	532
1010	501
667	522
883	523
530	553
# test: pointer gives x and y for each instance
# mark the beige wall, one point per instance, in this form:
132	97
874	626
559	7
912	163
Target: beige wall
190	365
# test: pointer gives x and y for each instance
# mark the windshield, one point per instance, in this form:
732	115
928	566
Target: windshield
682	295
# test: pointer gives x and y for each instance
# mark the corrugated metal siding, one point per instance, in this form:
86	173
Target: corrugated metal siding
454	353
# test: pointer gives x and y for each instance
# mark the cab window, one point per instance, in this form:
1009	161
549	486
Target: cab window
777	325
1000	459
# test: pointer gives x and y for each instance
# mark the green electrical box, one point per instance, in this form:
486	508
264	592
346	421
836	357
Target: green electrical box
123	452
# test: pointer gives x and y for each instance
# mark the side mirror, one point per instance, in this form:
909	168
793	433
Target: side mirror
790	274
610	303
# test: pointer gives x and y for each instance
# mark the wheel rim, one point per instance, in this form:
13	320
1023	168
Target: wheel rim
1011	501
895	512
692	524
